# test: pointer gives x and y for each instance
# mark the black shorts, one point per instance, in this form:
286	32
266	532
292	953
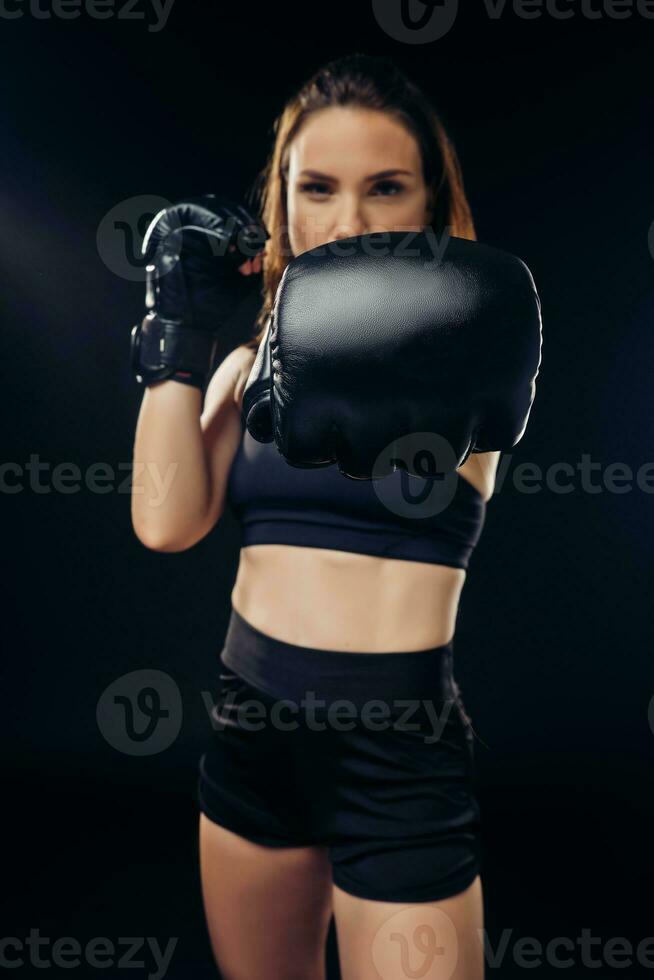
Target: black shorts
368	754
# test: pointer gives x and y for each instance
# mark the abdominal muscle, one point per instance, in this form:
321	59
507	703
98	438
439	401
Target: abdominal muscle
337	600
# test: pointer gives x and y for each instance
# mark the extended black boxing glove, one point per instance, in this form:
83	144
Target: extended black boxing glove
256	407
193	250
377	337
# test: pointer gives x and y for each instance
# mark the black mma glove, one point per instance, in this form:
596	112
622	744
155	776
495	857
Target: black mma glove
193	250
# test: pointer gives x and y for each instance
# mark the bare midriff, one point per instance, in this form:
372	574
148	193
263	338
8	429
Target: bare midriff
338	600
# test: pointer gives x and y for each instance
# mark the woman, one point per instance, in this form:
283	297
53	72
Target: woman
299	825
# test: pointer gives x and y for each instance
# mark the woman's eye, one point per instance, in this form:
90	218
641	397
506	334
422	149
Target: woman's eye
388	188
314	188
390	185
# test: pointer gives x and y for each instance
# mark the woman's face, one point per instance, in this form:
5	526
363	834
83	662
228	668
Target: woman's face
351	172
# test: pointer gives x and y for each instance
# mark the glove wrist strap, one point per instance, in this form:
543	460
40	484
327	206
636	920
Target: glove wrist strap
162	348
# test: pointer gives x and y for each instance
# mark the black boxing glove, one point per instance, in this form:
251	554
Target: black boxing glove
378	337
193	251
256	409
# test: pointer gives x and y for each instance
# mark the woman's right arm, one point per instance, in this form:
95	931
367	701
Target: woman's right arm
183	453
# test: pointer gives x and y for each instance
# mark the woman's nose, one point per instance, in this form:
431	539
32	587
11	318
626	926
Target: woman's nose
349	227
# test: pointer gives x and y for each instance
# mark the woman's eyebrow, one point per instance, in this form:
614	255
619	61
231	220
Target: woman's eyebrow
382	173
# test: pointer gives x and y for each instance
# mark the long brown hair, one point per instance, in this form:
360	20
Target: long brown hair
368	82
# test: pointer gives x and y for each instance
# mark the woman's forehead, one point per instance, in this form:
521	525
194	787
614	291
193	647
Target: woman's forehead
342	141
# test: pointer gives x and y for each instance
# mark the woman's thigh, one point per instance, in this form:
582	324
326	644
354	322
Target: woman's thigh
432	940
268	909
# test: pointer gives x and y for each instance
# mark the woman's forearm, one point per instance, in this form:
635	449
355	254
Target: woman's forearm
170	477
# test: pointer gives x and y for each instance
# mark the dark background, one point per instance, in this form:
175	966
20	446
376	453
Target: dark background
553	123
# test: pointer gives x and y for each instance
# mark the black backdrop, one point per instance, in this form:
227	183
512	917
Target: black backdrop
552	118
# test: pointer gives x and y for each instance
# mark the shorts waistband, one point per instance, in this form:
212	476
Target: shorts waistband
287	670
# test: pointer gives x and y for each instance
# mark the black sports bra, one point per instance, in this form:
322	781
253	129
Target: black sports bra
399	516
